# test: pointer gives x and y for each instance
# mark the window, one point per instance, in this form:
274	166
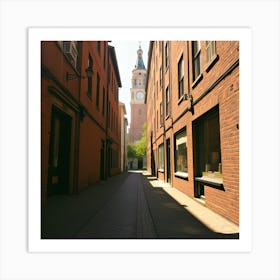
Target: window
207	138
196	60
89	90
166	54
97	91
70	48
161	157
160	76
103	102
167	101
157	119
181	156
161	114
104	58
109	116
98	46
210	50
207	152
181	77
139	112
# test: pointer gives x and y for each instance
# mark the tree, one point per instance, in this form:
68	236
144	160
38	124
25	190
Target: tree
140	147
131	150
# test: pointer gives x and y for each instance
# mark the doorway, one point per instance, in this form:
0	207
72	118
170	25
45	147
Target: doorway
59	152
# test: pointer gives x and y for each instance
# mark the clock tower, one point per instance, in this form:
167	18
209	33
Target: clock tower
137	99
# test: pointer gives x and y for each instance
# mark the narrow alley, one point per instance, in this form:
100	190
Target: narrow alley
128	206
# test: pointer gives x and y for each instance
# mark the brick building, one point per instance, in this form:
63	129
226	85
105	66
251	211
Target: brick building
123	123
193	130
79	115
138	107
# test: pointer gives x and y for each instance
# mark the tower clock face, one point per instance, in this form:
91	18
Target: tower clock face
139	95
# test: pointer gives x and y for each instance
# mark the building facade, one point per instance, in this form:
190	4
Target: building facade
123	128
79	115
193	130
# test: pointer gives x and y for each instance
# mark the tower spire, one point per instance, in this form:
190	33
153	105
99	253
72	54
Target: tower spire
139	61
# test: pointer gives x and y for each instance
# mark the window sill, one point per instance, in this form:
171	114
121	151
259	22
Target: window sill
200	199
161	170
167	117
212	63
211	182
181	99
197	80
182	175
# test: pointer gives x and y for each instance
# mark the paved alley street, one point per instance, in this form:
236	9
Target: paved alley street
124	206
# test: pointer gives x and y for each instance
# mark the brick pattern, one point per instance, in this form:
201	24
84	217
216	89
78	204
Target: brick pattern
94	117
224	94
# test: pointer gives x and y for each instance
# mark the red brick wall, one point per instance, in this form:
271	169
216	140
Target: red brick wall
88	132
225	95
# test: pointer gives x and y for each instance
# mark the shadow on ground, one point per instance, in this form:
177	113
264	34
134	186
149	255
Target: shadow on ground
173	220
64	217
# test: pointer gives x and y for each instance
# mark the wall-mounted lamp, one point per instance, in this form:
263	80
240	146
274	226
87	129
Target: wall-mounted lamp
89	73
189	99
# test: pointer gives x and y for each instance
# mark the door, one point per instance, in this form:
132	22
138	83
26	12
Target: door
102	175
168	174
59	153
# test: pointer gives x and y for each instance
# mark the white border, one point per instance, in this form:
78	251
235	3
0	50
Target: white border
243	244
262	262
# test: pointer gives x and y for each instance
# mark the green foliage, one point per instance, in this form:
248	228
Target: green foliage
131	150
139	149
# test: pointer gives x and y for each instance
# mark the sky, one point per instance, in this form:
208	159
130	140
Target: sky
126	52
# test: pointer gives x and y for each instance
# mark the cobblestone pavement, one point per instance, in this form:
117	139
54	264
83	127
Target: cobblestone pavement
129	205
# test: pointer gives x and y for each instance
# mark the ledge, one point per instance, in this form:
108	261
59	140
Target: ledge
180	99
161	170
211	182
197	80
212	63
182	175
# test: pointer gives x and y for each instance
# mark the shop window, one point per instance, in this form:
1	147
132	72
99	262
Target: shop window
181	155
161	158
207	151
